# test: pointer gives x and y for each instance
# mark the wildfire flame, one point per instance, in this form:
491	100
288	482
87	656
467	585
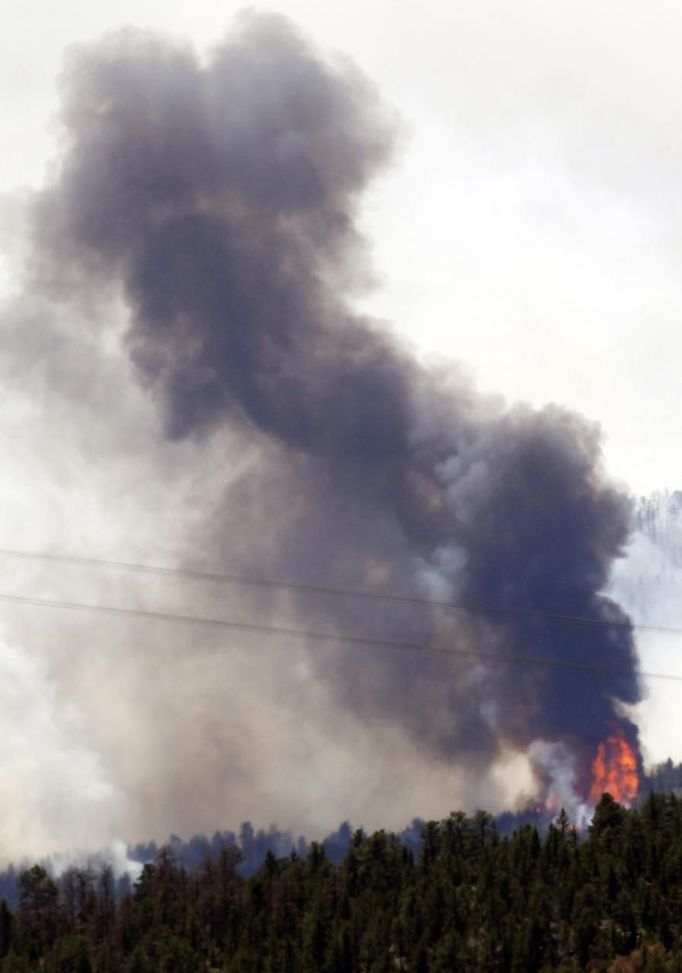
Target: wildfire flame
614	770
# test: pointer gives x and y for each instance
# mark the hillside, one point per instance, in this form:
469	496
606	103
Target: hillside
470	899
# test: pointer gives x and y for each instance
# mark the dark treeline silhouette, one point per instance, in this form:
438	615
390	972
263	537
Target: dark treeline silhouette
254	844
468	899
664	778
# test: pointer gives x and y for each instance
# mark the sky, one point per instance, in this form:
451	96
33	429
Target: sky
527	229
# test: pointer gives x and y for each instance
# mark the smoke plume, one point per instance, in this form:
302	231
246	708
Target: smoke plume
216	203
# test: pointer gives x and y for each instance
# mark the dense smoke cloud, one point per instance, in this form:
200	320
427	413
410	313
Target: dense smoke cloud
218	200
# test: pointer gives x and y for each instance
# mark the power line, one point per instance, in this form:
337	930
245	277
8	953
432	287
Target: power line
336	637
464	606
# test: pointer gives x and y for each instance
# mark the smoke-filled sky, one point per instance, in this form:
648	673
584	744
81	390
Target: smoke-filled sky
535	196
267	288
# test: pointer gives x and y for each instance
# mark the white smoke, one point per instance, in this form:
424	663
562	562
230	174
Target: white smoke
556	765
113	856
49	775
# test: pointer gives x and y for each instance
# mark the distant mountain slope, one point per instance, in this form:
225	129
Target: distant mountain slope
648	580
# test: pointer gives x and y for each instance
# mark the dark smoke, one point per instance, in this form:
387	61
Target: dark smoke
221	198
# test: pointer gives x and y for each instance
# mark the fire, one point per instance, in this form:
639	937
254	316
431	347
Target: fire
614	770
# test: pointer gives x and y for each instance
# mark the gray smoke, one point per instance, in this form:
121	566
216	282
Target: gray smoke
218	200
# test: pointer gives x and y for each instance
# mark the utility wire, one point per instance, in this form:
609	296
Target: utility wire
331	636
464	606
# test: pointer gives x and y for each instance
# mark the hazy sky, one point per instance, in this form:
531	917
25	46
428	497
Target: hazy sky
527	228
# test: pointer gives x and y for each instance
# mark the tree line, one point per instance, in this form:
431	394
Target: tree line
470	899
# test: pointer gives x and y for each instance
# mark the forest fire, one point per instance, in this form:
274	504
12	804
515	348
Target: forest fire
614	770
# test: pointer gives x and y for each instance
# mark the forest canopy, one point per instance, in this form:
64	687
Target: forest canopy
468	899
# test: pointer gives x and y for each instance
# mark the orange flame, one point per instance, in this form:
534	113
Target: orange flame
615	771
